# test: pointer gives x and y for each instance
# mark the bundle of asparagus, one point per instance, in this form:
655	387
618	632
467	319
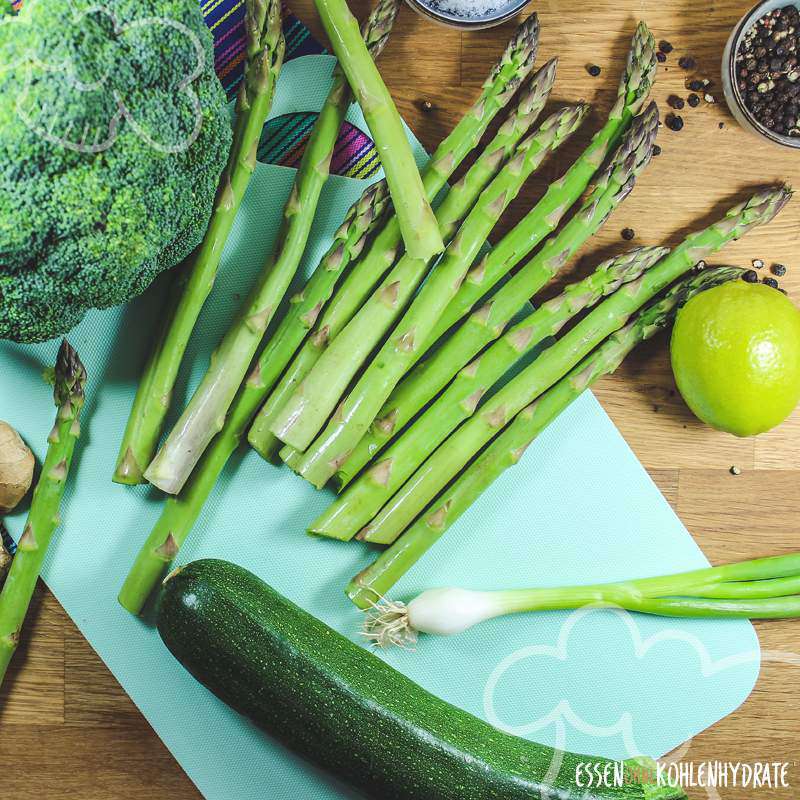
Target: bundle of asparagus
181	511
265	46
205	414
371	586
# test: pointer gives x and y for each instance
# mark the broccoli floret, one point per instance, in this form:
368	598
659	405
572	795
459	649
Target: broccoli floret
113	134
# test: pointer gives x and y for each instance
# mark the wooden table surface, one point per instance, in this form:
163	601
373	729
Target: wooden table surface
79	734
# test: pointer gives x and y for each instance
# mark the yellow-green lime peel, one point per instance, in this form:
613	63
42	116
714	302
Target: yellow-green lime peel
736	357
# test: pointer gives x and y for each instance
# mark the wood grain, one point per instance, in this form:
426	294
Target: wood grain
82	737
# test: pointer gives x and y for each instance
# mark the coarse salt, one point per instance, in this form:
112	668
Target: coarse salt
466	8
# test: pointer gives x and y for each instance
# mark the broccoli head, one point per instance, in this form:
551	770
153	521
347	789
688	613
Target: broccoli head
113	133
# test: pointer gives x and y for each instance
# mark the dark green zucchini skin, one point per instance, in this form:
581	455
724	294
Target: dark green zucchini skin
343	708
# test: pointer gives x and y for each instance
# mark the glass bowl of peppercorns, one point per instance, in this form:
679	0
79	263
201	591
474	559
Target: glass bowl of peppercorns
761	72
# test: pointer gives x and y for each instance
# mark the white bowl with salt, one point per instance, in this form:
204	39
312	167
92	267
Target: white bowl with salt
469	14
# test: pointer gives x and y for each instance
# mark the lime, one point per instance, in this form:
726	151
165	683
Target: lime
736	357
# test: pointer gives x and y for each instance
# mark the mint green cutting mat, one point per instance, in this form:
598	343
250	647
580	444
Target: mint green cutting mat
579	508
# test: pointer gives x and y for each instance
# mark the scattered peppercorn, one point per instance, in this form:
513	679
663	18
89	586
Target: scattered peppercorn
686	62
695	85
661	57
768	68
673	101
734	470
758	263
721	125
750	275
778	269
593	70
693	100
427	105
674	122
665	47
628	234
656	150
771	282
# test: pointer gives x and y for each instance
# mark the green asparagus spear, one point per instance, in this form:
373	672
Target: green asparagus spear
445	463
306	412
205	414
545	216
181	512
417	222
455	205
506	450
367	495
15	597
265	46
489	321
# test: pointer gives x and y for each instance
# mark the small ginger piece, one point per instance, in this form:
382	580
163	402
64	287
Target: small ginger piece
16	468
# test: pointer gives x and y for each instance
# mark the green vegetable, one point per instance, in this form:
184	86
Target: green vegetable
150	406
505	77
346	710
205	414
367	495
444	464
306	413
761	589
43	518
92	206
489	321
181	512
417	222
5	556
508	448
545	216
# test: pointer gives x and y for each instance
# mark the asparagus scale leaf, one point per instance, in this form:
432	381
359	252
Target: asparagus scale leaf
417	222
507	449
204	416
265	48
611	314
488	322
455	205
366	496
503	81
306	413
17	591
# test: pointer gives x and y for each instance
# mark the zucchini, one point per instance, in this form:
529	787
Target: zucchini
347	710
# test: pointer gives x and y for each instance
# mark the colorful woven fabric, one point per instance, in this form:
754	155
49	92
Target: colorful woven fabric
284	139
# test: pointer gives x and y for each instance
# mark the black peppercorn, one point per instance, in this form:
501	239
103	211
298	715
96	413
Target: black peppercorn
771	282
696	85
628	234
675	102
656	150
674	122
661	57
750	275
693	100
686	62
778	269
593	70
665	47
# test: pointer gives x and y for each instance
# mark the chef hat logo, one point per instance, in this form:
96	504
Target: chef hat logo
114	87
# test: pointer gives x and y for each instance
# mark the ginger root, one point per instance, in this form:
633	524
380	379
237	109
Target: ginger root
16	468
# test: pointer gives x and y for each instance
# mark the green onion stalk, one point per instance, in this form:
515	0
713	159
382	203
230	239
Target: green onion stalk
182	511
489	321
498	89
43	518
265	48
417	223
205	413
553	364
765	588
309	408
375	582
362	500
